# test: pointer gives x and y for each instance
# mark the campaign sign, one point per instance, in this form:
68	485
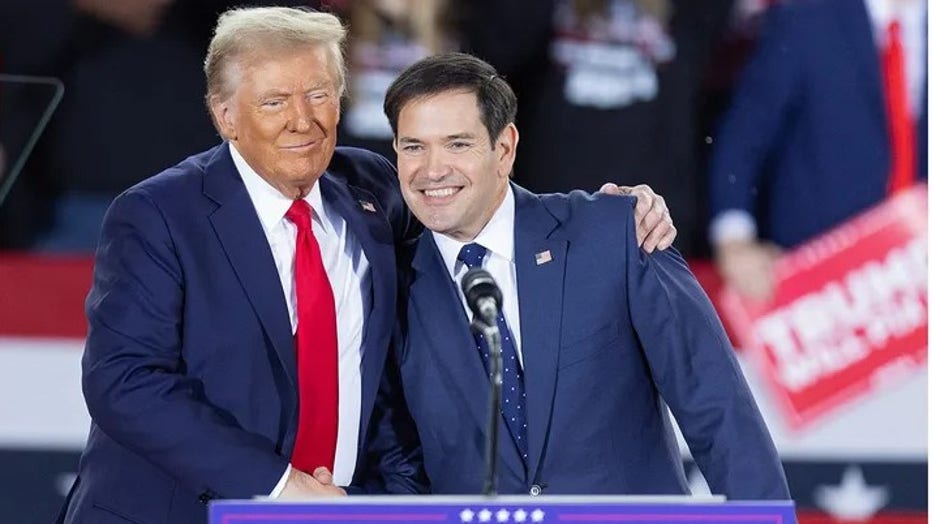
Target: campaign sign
458	510
849	314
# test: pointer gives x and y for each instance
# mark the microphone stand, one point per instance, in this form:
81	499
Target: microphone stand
494	339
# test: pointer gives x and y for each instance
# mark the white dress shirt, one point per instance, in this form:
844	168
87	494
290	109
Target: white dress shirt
738	224
348	271
498	237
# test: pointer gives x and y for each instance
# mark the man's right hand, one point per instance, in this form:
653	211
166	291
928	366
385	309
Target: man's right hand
748	267
300	485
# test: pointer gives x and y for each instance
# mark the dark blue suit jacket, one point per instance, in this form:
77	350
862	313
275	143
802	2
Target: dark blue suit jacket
189	369
609	335
805	144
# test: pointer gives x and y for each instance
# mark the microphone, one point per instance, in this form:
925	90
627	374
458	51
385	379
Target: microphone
485	299
482	294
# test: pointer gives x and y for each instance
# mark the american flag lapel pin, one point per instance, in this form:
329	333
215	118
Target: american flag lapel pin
543	257
367	206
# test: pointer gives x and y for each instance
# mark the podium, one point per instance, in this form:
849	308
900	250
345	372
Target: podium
504	509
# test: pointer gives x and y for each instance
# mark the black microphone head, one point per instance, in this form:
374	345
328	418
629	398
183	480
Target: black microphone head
481	291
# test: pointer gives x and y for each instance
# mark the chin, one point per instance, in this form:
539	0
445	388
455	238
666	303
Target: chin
438	224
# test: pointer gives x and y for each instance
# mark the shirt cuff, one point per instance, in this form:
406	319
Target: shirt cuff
281	484
731	226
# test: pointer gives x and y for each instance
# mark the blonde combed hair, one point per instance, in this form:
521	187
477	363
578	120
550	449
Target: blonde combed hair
245	32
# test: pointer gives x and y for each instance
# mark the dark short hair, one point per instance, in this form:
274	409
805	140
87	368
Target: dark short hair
436	74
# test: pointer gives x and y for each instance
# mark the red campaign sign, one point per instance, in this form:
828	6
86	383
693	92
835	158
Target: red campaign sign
849	313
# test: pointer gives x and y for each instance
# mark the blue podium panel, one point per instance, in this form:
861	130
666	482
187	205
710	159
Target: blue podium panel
510	509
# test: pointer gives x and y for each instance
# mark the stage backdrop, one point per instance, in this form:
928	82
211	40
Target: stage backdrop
863	460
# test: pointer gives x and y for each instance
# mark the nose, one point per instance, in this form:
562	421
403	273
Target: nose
437	166
301	116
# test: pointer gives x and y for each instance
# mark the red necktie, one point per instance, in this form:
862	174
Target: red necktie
902	132
316	344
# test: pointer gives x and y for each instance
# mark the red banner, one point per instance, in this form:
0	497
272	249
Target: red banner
850	311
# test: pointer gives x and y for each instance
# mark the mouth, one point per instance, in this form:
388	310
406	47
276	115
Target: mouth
440	195
302	147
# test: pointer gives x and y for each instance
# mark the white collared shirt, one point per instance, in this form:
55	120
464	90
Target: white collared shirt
348	271
498	237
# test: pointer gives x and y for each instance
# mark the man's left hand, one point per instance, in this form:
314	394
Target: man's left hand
655	229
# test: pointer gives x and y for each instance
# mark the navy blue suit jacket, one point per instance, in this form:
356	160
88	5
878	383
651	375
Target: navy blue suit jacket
805	143
609	335
189	369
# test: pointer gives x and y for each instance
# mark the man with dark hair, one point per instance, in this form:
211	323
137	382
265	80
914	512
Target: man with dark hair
597	338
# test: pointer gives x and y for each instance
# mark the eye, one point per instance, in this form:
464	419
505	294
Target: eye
318	97
412	148
272	104
459	145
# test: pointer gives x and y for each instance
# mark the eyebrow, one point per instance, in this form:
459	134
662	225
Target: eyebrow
458	136
275	93
272	93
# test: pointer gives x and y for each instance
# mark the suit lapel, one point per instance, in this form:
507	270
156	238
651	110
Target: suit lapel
370	228
540	299
856	25
451	344
240	233
440	315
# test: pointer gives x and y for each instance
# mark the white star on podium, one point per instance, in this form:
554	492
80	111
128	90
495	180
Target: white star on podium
485	515
537	515
502	515
520	515
466	515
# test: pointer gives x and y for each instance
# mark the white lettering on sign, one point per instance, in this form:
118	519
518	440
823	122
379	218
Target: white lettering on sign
827	331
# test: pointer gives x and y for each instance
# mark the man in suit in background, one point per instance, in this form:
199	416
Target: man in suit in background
597	337
828	119
243	299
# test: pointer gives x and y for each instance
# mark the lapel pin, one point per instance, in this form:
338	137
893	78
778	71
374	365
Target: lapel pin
543	257
367	206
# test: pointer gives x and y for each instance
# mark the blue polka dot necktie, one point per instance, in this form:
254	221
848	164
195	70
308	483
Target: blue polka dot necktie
513	396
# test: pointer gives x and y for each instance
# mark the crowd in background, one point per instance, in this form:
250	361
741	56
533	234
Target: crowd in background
704	101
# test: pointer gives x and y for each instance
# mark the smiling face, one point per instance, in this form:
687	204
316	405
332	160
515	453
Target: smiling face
452	177
282	116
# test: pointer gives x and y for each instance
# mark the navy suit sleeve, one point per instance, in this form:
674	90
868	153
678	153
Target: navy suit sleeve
134	377
695	370
394	459
373	173
760	109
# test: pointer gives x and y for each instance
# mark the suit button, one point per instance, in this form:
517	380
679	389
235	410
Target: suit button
204	498
535	490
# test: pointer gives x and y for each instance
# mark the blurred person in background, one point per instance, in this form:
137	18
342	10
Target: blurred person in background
385	37
132	75
828	119
606	86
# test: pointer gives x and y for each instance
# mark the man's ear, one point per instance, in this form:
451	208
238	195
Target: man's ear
224	117
506	147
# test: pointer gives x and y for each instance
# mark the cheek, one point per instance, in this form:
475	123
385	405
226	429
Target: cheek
407	169
329	116
268	131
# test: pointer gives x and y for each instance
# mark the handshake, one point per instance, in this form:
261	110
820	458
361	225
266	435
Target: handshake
300	485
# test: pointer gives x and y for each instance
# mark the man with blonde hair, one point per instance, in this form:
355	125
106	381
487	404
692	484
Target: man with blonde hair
243	299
